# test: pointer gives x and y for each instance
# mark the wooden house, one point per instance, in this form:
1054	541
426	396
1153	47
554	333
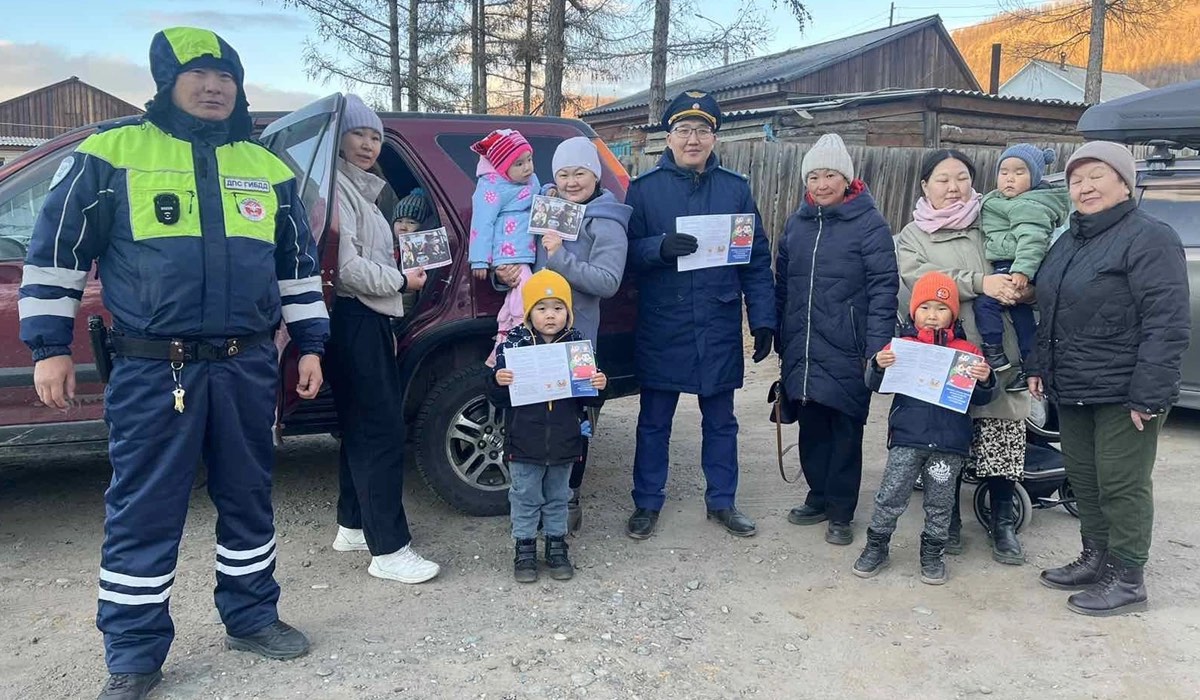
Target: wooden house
58	108
912	55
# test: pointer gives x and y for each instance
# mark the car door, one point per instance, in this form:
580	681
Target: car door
24	420
1175	199
307	141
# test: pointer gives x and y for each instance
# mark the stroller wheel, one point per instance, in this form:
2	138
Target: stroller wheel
1067	495
1022	505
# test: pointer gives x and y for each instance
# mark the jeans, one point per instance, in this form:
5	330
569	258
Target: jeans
538	492
989	318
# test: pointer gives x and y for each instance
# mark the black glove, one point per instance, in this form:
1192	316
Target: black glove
677	244
763	337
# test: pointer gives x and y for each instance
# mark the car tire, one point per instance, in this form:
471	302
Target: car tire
459	444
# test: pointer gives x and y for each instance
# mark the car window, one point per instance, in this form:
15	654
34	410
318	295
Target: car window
21	198
1177	206
458	147
308	146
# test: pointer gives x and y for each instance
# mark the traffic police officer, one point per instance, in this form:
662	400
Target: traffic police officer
689	325
203	244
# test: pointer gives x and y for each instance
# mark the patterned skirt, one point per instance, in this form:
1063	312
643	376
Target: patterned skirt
998	448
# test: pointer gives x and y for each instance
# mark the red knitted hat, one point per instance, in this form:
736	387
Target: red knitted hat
502	148
934	286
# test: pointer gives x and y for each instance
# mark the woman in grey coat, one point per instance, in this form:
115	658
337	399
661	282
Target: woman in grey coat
593	264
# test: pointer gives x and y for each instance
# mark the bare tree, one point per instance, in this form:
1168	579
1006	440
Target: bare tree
1056	29
658	57
555	56
358	43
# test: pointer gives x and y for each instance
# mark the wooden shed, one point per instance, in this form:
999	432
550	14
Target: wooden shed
927	118
58	108
916	54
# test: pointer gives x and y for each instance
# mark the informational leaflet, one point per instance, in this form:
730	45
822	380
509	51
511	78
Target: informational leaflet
931	373
724	239
551	372
554	215
428	249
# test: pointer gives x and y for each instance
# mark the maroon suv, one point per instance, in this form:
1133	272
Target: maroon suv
457	436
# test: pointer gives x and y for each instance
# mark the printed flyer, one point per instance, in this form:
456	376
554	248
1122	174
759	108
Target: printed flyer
551	372
554	215
427	249
931	373
725	239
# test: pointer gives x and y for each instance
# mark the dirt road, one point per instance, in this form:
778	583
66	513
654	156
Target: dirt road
691	613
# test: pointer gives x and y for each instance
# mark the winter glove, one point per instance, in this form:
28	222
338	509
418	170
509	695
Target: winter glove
763	337
675	245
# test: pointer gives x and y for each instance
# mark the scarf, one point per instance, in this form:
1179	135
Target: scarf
958	216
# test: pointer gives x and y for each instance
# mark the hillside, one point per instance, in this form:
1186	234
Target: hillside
1164	54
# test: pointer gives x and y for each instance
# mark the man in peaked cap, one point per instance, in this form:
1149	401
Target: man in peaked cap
689	326
204	247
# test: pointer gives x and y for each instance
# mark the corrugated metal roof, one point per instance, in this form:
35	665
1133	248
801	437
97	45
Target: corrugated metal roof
831	102
1112	86
21	141
779	67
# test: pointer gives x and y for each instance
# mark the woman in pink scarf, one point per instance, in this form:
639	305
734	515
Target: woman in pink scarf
945	236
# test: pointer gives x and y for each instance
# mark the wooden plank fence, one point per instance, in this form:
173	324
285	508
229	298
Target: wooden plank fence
892	175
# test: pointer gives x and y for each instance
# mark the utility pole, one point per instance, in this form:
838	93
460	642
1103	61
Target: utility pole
892	14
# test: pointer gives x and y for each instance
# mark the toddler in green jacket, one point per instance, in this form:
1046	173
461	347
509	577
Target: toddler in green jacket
1018	218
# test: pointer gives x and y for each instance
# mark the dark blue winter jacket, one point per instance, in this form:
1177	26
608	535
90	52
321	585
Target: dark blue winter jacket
689	326
924	426
835	292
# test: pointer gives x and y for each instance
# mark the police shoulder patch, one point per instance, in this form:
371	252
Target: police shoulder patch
63	168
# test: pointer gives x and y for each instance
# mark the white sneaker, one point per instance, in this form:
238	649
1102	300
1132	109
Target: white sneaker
348	540
405	566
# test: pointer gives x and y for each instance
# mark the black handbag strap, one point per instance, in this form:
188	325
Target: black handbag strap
780	451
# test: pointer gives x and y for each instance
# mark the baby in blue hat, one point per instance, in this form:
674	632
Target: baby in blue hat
1018	219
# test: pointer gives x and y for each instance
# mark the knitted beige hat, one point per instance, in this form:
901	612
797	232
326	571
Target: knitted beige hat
828	153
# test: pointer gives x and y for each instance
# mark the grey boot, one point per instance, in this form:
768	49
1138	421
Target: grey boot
933	561
874	557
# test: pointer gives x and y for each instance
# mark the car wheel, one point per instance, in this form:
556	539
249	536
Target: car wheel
459	438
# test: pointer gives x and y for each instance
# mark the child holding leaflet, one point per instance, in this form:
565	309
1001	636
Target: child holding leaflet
923	438
543	440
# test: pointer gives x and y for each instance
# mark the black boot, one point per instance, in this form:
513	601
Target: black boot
1121	590
874	557
641	523
557	560
1006	548
1019	383
574	513
806	515
1081	573
278	640
129	686
525	563
933	563
996	359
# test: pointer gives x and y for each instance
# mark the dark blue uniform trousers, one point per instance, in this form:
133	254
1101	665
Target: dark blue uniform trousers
718	451
229	412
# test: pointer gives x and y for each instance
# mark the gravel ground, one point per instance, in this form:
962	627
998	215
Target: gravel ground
691	613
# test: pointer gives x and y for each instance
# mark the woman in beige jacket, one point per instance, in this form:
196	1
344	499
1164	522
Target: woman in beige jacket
945	236
361	362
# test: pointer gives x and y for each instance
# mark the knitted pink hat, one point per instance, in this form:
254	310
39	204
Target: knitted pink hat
502	148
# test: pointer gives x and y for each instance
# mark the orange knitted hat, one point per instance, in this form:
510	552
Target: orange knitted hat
934	286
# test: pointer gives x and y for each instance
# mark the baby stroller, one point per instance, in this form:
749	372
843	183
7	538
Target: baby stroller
1045	484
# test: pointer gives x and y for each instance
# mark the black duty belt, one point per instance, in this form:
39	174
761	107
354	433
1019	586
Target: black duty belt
178	350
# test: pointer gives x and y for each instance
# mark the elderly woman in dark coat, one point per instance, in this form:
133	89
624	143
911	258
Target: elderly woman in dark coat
1113	299
835	289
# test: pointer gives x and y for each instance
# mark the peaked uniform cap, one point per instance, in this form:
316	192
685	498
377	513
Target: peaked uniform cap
694	104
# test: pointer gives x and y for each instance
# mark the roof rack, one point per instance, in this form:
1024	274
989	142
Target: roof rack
1170	113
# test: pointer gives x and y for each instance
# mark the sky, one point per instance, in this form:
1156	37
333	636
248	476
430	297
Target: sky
106	43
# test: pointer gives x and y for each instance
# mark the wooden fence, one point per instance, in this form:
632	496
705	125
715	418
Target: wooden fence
892	175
